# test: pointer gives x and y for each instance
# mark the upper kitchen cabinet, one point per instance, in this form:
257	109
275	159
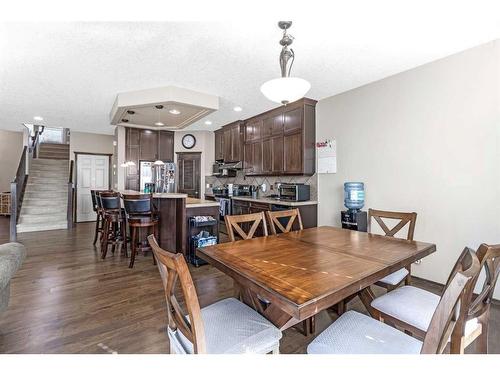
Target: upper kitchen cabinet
147	145
219	144
229	142
282	141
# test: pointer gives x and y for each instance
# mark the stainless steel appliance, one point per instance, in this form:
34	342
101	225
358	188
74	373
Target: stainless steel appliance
294	192
226	170
162	176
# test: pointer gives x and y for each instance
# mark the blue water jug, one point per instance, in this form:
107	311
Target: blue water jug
354	195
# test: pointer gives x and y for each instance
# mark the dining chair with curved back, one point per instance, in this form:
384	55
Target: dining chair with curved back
393	280
233	224
410	308
356	333
226	326
277	220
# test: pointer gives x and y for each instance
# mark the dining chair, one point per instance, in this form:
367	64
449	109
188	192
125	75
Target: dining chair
411	308
392	281
233	224
356	333
224	327
278	219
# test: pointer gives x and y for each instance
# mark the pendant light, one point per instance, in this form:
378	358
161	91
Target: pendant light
286	89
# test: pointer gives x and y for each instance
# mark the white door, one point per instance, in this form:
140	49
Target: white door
92	173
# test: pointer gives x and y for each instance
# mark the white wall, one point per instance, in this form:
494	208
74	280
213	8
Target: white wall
205	143
425	140
11	147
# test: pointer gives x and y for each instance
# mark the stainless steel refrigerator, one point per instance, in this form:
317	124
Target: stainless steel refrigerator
162	175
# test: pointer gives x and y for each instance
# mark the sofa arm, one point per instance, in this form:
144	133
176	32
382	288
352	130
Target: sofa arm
12	255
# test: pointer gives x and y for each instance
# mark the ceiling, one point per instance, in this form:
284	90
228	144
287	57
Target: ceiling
70	73
170	107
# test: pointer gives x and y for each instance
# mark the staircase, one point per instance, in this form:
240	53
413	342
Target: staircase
45	200
53	151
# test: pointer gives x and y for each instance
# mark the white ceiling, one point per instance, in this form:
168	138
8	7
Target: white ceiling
70	73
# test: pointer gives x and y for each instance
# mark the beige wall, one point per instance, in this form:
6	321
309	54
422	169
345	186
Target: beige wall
425	140
205	143
11	146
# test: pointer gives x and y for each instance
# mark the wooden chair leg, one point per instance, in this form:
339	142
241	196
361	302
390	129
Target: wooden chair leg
133	246
123	231
482	340
104	242
97	227
408	277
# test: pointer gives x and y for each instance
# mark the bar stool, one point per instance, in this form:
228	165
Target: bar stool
140	214
114	226
96	207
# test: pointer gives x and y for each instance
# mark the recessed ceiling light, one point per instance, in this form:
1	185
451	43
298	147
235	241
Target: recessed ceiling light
208	122
124	120
130	112
159	106
38	118
175	111
238	109
159	123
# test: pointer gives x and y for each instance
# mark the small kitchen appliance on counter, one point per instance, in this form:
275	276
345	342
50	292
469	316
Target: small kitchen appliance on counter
294	192
354	199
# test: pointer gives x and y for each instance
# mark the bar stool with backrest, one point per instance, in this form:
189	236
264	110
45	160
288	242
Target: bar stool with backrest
356	333
411	308
140	215
96	207
224	327
114	230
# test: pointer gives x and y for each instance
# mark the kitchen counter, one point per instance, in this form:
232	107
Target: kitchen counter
275	201
194	202
155	195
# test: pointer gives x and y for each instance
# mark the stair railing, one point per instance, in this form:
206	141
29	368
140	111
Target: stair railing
18	186
71	196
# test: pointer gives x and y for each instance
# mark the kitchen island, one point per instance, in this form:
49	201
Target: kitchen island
174	210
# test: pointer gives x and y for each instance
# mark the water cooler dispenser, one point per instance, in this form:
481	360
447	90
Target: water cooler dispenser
354	200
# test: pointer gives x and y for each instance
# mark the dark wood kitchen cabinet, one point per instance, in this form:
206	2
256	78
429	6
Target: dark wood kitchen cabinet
229	142
219	144
282	141
148	145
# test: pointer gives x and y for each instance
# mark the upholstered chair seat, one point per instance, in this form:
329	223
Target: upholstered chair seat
355	333
395	278
231	327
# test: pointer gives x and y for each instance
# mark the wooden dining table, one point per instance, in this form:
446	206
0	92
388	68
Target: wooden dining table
301	273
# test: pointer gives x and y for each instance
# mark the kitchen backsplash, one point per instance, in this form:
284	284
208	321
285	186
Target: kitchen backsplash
241	179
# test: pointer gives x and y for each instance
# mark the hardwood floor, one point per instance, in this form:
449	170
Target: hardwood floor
65	299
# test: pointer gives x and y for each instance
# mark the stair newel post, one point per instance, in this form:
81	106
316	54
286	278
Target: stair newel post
71	193
13	211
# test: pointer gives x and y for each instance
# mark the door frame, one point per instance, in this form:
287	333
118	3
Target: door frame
110	175
178	168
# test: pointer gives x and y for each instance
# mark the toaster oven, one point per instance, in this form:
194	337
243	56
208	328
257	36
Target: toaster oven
294	192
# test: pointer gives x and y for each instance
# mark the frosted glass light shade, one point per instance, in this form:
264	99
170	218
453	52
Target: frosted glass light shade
158	162
285	90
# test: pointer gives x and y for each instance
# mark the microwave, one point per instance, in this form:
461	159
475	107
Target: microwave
294	192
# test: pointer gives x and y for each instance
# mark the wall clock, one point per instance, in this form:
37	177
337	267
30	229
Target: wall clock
188	141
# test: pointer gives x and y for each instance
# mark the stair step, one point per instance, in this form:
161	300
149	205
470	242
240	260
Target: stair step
52	201
24	228
43	195
43	179
44	210
46	161
46	187
62	157
41	218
